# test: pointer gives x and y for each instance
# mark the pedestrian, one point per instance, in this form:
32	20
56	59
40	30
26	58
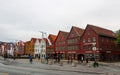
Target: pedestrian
30	59
78	58
47	59
59	57
39	57
86	60
5	55
81	59
68	59
71	59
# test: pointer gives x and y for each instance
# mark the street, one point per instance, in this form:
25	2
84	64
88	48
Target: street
23	67
12	70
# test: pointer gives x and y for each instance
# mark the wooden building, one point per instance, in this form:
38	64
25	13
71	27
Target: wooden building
99	42
73	41
61	43
51	45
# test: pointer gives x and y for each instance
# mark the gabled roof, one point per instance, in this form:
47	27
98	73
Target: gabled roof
65	34
39	39
102	31
33	39
78	30
52	38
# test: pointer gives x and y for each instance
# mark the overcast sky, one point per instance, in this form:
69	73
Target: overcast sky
23	19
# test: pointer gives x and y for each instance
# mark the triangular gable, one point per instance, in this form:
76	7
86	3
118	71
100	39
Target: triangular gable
65	34
78	31
102	31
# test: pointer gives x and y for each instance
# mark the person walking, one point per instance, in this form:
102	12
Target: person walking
82	59
68	59
86	60
30	59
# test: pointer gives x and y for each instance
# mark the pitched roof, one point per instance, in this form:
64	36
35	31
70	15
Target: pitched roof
102	31
65	34
33	39
38	39
52	38
78	30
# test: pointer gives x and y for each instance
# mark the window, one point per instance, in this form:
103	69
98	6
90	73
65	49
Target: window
84	47
83	40
72	40
89	40
72	35
88	33
89	48
94	39
102	39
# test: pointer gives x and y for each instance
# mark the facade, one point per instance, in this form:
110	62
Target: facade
37	48
29	47
26	48
61	44
73	41
1	47
43	44
51	48
7	48
20	46
99	42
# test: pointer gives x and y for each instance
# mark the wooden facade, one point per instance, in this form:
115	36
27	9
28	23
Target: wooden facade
73	41
51	48
61	43
29	47
104	40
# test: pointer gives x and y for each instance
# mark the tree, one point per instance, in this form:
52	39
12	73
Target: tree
118	38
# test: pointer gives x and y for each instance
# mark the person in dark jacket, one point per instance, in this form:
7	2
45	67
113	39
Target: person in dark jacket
30	59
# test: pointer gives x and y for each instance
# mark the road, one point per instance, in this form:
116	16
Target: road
13	70
23	67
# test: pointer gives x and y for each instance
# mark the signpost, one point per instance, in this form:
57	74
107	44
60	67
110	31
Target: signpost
94	49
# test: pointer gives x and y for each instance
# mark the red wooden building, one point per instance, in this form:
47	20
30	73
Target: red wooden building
73	41
51	48
102	41
61	43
